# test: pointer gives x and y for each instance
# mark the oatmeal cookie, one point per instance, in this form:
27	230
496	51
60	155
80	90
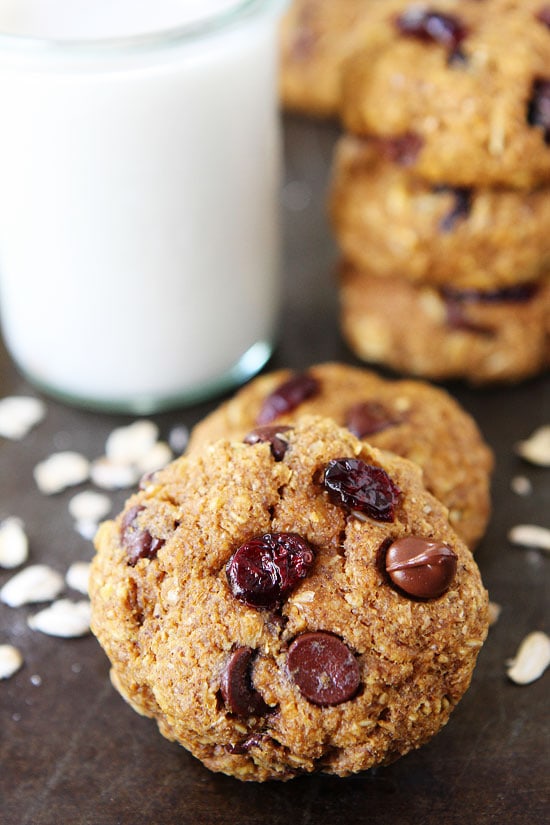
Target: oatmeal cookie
457	90
316	37
283	614
482	337
411	418
393	223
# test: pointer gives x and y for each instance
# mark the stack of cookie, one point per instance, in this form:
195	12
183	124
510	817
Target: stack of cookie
441	189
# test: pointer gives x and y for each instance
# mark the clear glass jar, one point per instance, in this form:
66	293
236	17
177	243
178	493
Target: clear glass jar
139	184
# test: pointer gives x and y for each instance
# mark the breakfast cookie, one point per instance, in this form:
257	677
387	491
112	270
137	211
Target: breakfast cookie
316	37
278	614
411	418
456	90
481	337
393	223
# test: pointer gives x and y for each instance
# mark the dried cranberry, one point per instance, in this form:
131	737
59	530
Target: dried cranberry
460	209
445	29
272	435
306	38
236	686
543	15
457	319
401	149
538	111
138	543
287	397
361	487
456	301
324	668
369	417
264	570
519	293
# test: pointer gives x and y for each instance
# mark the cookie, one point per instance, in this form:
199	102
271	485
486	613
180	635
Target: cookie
411	418
283	615
481	337
395	224
456	90
316	37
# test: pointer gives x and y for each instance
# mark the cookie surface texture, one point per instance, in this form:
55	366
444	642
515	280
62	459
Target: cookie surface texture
459	89
481	337
411	418
345	667
316	38
397	225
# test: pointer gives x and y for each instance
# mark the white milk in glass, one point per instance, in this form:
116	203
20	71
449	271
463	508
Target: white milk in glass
139	175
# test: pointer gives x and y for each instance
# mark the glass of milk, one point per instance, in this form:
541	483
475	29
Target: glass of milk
139	184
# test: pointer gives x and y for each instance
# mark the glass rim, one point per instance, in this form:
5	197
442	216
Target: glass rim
151	40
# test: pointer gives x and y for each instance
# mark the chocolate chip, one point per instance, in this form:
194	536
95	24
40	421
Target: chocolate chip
543	15
236	686
401	149
422	568
324	668
369	417
361	486
138	543
272	435
460	209
265	569
287	397
538	110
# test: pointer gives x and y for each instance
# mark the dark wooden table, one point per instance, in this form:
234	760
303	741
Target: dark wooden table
72	752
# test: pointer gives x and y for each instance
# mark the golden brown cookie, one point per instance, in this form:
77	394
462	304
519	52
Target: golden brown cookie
395	224
316	37
481	337
411	418
311	611
459	90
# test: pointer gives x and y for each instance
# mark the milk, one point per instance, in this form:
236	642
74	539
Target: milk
139	232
